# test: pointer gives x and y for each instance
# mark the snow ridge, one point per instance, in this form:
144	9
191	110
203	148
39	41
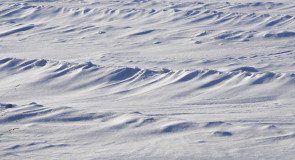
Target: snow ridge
133	82
147	79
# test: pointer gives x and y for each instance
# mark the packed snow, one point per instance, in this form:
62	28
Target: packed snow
147	79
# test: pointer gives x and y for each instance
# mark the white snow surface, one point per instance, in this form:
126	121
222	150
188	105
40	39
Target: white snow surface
147	79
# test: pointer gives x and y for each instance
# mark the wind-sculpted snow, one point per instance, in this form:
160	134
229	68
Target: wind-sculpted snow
153	32
127	82
151	21
60	130
147	79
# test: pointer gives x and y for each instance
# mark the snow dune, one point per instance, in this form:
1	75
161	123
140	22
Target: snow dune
147	79
186	86
243	106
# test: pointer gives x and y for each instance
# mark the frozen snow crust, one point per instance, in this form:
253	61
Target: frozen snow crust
147	79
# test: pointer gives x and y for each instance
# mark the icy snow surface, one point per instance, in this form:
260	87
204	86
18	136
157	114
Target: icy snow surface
147	79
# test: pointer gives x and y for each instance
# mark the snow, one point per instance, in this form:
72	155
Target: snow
147	79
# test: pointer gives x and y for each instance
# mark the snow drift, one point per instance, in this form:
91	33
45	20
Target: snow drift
147	79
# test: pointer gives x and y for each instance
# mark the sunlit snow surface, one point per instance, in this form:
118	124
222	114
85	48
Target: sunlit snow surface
147	79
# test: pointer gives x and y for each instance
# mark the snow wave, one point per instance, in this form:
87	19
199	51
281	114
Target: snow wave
147	79
101	19
36	113
65	128
130	82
